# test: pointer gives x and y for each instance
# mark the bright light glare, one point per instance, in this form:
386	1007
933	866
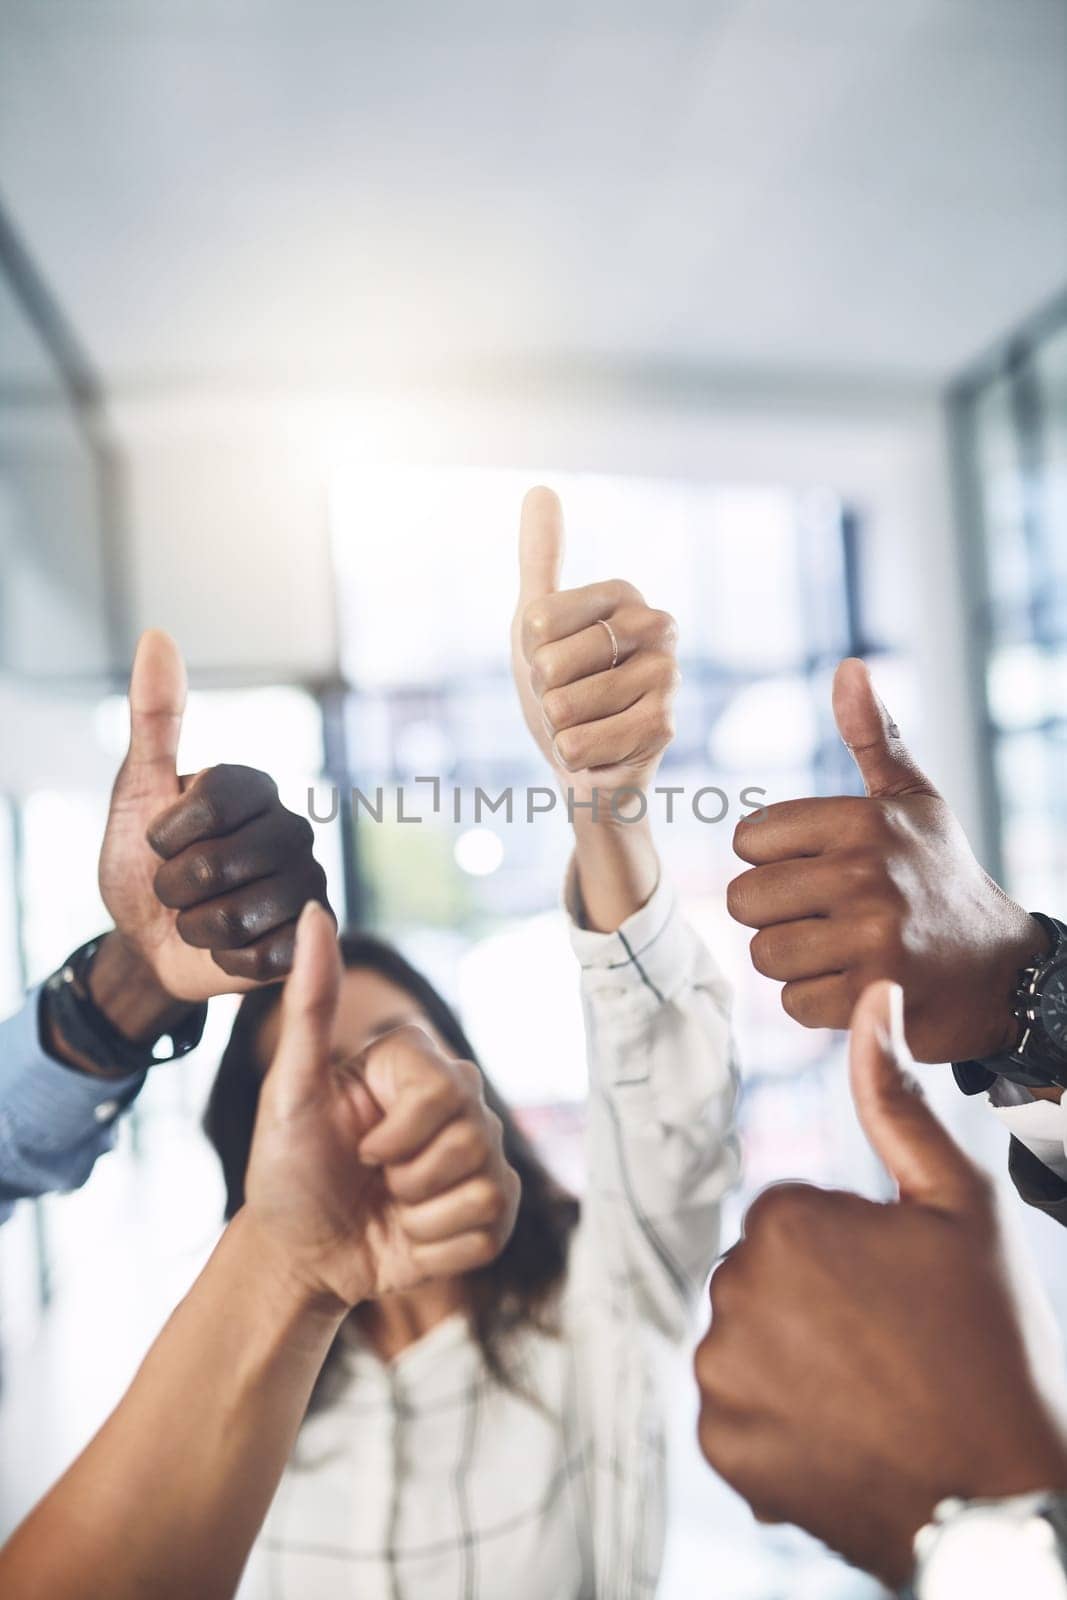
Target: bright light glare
479	851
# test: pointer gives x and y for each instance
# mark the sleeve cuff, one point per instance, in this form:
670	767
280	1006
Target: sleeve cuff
649	951
1036	1183
1037	1124
45	1107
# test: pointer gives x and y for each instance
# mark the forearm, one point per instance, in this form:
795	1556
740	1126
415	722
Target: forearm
617	869
660	1155
170	1494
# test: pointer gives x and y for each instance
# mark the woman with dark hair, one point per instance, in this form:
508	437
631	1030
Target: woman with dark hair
513	1289
500	1436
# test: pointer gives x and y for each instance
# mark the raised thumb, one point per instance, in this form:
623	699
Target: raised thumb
540	544
873	738
309	1005
916	1149
157	701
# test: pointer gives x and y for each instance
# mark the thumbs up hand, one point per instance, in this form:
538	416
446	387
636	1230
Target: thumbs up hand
374	1176
595	668
846	890
204	877
866	1361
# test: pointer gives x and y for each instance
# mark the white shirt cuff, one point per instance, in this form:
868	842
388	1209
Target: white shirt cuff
648	951
1040	1125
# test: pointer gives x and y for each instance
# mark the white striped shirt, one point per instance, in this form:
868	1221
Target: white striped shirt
426	1479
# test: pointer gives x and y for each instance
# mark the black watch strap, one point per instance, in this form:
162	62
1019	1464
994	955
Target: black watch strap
88	1032
978	1077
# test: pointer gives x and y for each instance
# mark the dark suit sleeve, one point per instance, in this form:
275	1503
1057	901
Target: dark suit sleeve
1036	1183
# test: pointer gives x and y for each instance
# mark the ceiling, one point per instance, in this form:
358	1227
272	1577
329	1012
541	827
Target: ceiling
223	192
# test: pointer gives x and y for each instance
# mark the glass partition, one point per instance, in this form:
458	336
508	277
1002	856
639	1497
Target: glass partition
1011	429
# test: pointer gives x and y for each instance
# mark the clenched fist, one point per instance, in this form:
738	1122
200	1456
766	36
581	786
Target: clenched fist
847	890
595	668
204	876
865	1361
374	1175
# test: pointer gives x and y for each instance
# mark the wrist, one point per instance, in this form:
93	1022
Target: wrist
1027	941
124	988
1036	1462
105	1009
625	818
617	870
294	1290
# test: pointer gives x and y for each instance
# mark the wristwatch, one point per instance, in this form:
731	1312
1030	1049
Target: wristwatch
87	1030
989	1549
1039	1060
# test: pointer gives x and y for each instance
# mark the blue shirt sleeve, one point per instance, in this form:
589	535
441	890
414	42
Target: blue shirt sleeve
54	1121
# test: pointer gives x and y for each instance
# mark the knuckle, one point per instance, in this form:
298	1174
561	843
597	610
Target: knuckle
741	844
738	893
469	1076
202	870
725	1288
537	622
303	834
664	629
556	705
860	870
663	724
569	746
466	1138
704	1358
812	1007
211	803
226	925
262	960
761	948
543	669
622	592
668	674
782	1212
469	1140
879	931
316	885
492	1132
254	778
484	1247
439	1089
796	1005
723	1446
493	1201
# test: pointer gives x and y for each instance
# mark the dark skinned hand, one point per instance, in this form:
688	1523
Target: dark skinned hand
846	890
866	1361
206	876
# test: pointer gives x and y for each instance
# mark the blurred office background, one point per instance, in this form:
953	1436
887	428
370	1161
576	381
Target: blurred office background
295	302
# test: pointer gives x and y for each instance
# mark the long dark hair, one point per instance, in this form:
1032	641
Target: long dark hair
515	1288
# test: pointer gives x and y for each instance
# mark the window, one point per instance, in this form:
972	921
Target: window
770	590
1011	421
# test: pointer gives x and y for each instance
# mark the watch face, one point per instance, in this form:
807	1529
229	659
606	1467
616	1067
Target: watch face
1054	1007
